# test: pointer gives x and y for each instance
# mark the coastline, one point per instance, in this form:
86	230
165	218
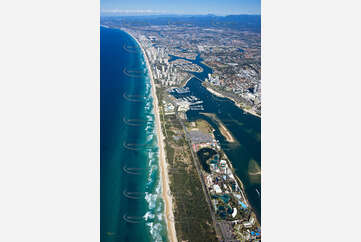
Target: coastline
237	104
162	160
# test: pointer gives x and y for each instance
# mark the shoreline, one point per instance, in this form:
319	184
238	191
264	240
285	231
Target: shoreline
241	185
229	161
186	82
237	104
162	160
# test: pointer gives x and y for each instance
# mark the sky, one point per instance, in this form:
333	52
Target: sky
146	7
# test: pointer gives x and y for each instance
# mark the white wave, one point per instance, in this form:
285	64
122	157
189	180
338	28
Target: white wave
147	93
160	208
148	215
155	231
150	137
150	174
147	86
151	200
150	117
158	189
151	156
149	129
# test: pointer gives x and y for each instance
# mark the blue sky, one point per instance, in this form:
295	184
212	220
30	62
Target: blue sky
218	7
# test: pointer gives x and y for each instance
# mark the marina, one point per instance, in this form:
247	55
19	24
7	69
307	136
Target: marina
245	128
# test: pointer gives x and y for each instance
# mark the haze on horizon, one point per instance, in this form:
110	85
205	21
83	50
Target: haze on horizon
184	7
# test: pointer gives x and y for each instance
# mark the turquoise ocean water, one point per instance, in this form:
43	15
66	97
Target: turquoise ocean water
131	206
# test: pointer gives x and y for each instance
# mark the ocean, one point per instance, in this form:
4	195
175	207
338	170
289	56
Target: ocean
131	205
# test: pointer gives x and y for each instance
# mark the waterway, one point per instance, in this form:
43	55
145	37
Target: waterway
245	128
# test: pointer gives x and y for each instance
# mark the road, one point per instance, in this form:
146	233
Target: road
219	231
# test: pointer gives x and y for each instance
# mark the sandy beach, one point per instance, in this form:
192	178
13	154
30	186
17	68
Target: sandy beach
162	161
214	92
224	131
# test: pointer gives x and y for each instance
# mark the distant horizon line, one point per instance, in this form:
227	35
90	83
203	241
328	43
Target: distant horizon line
109	14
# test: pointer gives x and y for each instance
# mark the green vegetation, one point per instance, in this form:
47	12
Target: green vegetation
192	217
